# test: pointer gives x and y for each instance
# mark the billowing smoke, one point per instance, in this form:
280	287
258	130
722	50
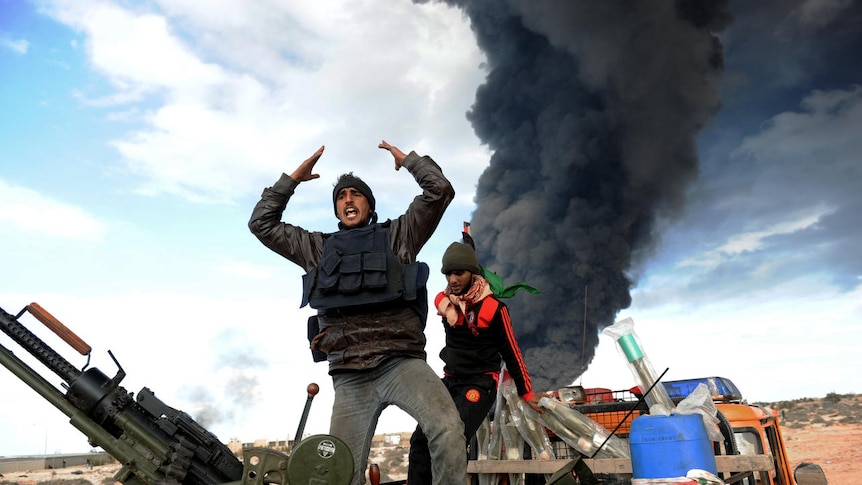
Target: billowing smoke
591	109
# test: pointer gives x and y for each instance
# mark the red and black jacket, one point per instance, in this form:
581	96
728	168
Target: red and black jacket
480	340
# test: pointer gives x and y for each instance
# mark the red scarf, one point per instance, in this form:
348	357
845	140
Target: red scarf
453	307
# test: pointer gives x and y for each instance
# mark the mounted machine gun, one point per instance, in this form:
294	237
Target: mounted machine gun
155	443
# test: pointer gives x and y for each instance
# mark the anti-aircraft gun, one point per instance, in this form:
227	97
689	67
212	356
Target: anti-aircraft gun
155	443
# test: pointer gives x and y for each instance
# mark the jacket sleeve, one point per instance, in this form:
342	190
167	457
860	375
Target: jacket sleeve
511	354
293	242
439	298
413	229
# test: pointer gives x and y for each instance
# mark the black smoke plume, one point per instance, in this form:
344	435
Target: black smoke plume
591	110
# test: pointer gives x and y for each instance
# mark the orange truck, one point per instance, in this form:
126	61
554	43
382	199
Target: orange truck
752	451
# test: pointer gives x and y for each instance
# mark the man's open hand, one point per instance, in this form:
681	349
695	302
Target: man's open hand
305	169
398	154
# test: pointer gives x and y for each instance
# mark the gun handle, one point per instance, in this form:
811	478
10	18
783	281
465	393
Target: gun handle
374	473
58	328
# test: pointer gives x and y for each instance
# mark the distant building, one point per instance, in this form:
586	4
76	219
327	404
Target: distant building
378	441
48	462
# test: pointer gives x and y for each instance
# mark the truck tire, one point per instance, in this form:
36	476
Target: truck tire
726	429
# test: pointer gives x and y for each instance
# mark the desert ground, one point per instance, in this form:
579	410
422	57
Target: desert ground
837	449
827	432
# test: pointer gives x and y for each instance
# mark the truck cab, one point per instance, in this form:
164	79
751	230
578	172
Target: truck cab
756	431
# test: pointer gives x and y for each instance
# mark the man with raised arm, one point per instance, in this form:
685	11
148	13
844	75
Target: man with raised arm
371	301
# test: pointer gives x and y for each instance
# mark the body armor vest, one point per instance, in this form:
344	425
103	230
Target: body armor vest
358	268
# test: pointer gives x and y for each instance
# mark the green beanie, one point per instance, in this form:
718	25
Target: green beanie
460	257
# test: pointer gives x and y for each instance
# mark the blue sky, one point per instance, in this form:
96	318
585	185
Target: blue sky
137	136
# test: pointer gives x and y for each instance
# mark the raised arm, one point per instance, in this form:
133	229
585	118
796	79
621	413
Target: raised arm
304	171
396	153
293	242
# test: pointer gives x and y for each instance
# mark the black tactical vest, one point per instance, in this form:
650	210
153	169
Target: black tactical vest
358	268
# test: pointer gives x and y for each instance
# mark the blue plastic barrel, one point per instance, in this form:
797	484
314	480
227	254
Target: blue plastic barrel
670	446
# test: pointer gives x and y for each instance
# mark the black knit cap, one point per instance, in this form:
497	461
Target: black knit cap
460	257
349	180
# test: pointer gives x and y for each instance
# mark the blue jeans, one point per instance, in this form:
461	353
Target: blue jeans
410	384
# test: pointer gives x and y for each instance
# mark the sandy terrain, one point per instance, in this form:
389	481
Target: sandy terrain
96	475
836	448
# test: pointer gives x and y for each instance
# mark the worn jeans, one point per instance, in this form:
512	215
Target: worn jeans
410	384
473	397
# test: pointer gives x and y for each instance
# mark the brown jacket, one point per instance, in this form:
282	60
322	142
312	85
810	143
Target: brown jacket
361	340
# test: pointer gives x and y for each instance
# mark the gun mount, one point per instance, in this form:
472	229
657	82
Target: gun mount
155	443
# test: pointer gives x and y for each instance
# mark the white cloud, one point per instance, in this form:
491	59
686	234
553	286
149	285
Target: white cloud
228	108
819	13
752	241
823	133
136	50
19	46
784	203
25	210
